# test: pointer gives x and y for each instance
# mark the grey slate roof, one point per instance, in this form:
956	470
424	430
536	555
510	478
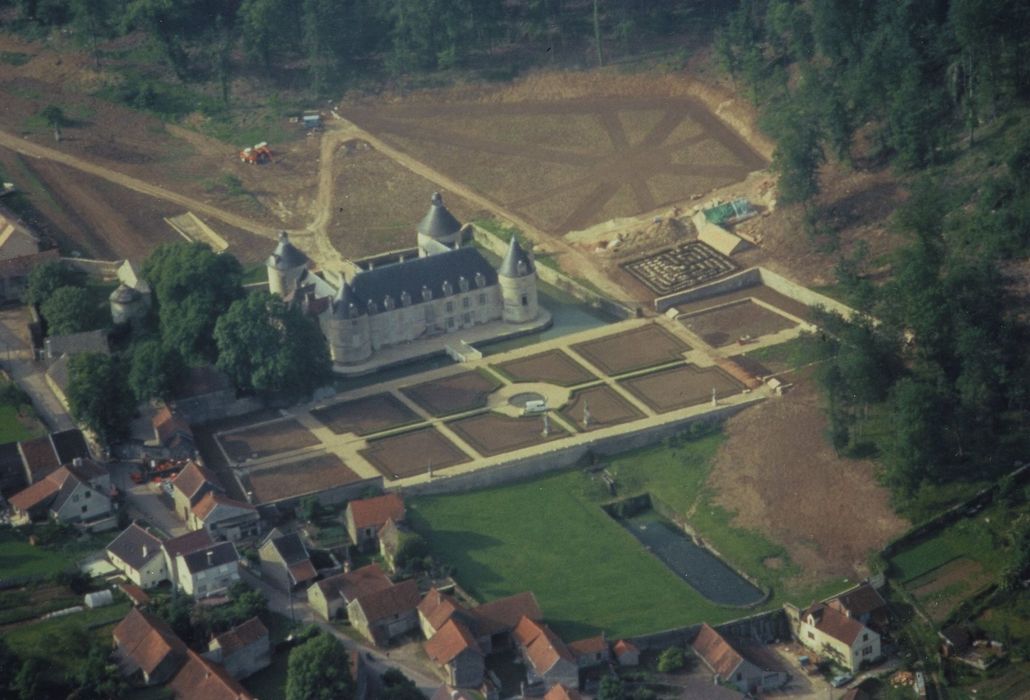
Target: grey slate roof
128	546
221	553
69	444
438	221
510	266
412	275
291	548
286	256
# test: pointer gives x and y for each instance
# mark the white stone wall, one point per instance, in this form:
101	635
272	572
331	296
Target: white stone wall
520	298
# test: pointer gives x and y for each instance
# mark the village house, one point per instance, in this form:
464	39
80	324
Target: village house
830	633
491	623
590	652
548	659
735	666
285	561
78	493
863	603
225	518
146	648
455	648
189	486
365	517
21	249
391	535
201	679
560	692
58	346
181	545
44	455
384	615
330	596
138	554
243	650
173	437
626	653
210	571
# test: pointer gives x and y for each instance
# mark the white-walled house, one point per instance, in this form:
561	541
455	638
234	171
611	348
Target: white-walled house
209	571
831	633
138	554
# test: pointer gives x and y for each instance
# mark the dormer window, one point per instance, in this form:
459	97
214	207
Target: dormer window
448	288
480	280
372	308
463	283
405	299
388	303
427	293
521	267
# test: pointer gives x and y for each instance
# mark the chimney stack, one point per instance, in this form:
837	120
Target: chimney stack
77	461
210	558
145	551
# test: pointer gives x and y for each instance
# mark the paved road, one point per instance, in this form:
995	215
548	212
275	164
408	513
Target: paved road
16	356
379	662
145	501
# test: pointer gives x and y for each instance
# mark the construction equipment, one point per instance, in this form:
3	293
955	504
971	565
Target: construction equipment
257	154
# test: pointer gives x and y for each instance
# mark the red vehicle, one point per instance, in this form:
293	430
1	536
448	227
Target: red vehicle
137	478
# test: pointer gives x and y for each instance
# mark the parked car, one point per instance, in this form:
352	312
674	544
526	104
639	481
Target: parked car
842	680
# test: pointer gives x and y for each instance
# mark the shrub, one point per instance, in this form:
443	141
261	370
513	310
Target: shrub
671	660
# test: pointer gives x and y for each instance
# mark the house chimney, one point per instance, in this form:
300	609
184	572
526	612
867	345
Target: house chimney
346	567
77	461
145	551
210	558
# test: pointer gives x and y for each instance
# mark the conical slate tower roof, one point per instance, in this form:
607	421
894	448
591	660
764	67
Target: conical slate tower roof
510	265
438	222
286	255
346	302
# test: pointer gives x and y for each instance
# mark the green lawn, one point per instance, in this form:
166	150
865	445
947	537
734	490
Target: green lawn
20	559
14	427
57	640
974	538
550	536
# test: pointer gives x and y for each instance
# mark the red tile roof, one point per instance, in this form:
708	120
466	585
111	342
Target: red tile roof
209	500
437	608
718	654
136	594
40	493
374	512
560	692
589	646
240	636
625	647
145	641
542	646
39	457
200	679
192	478
449	642
504	614
302	571
395	600
168	425
351	585
835	624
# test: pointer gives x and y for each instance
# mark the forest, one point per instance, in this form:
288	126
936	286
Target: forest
932	376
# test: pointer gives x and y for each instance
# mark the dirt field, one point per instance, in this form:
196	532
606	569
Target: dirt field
725	325
454	394
769	296
378	203
569	164
679	387
780	476
325	471
606	408
413	453
553	366
641	347
493	434
940	590
267	439
364	416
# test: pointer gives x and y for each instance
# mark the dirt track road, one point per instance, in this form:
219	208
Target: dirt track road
35	150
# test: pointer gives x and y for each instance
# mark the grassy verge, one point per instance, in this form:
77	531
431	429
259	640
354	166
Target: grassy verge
19	559
550	536
803	350
56	641
505	233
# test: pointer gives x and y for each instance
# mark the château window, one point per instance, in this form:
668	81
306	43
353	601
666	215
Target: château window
463	284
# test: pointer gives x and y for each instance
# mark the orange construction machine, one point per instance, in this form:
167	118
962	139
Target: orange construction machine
257	154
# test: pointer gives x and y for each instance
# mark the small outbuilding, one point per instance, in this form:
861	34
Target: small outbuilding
99	599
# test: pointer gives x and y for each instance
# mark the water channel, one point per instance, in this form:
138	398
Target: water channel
705	572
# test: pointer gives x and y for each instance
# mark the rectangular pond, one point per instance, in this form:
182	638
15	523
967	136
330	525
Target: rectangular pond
708	574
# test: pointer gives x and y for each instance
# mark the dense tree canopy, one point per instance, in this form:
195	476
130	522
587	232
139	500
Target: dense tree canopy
99	395
69	310
319	669
47	278
269	347
154	370
193	286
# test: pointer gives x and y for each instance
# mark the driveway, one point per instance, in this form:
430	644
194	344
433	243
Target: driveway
146	501
17	359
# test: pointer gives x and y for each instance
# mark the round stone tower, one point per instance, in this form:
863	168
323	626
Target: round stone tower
348	329
517	279
286	265
127	304
437	225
